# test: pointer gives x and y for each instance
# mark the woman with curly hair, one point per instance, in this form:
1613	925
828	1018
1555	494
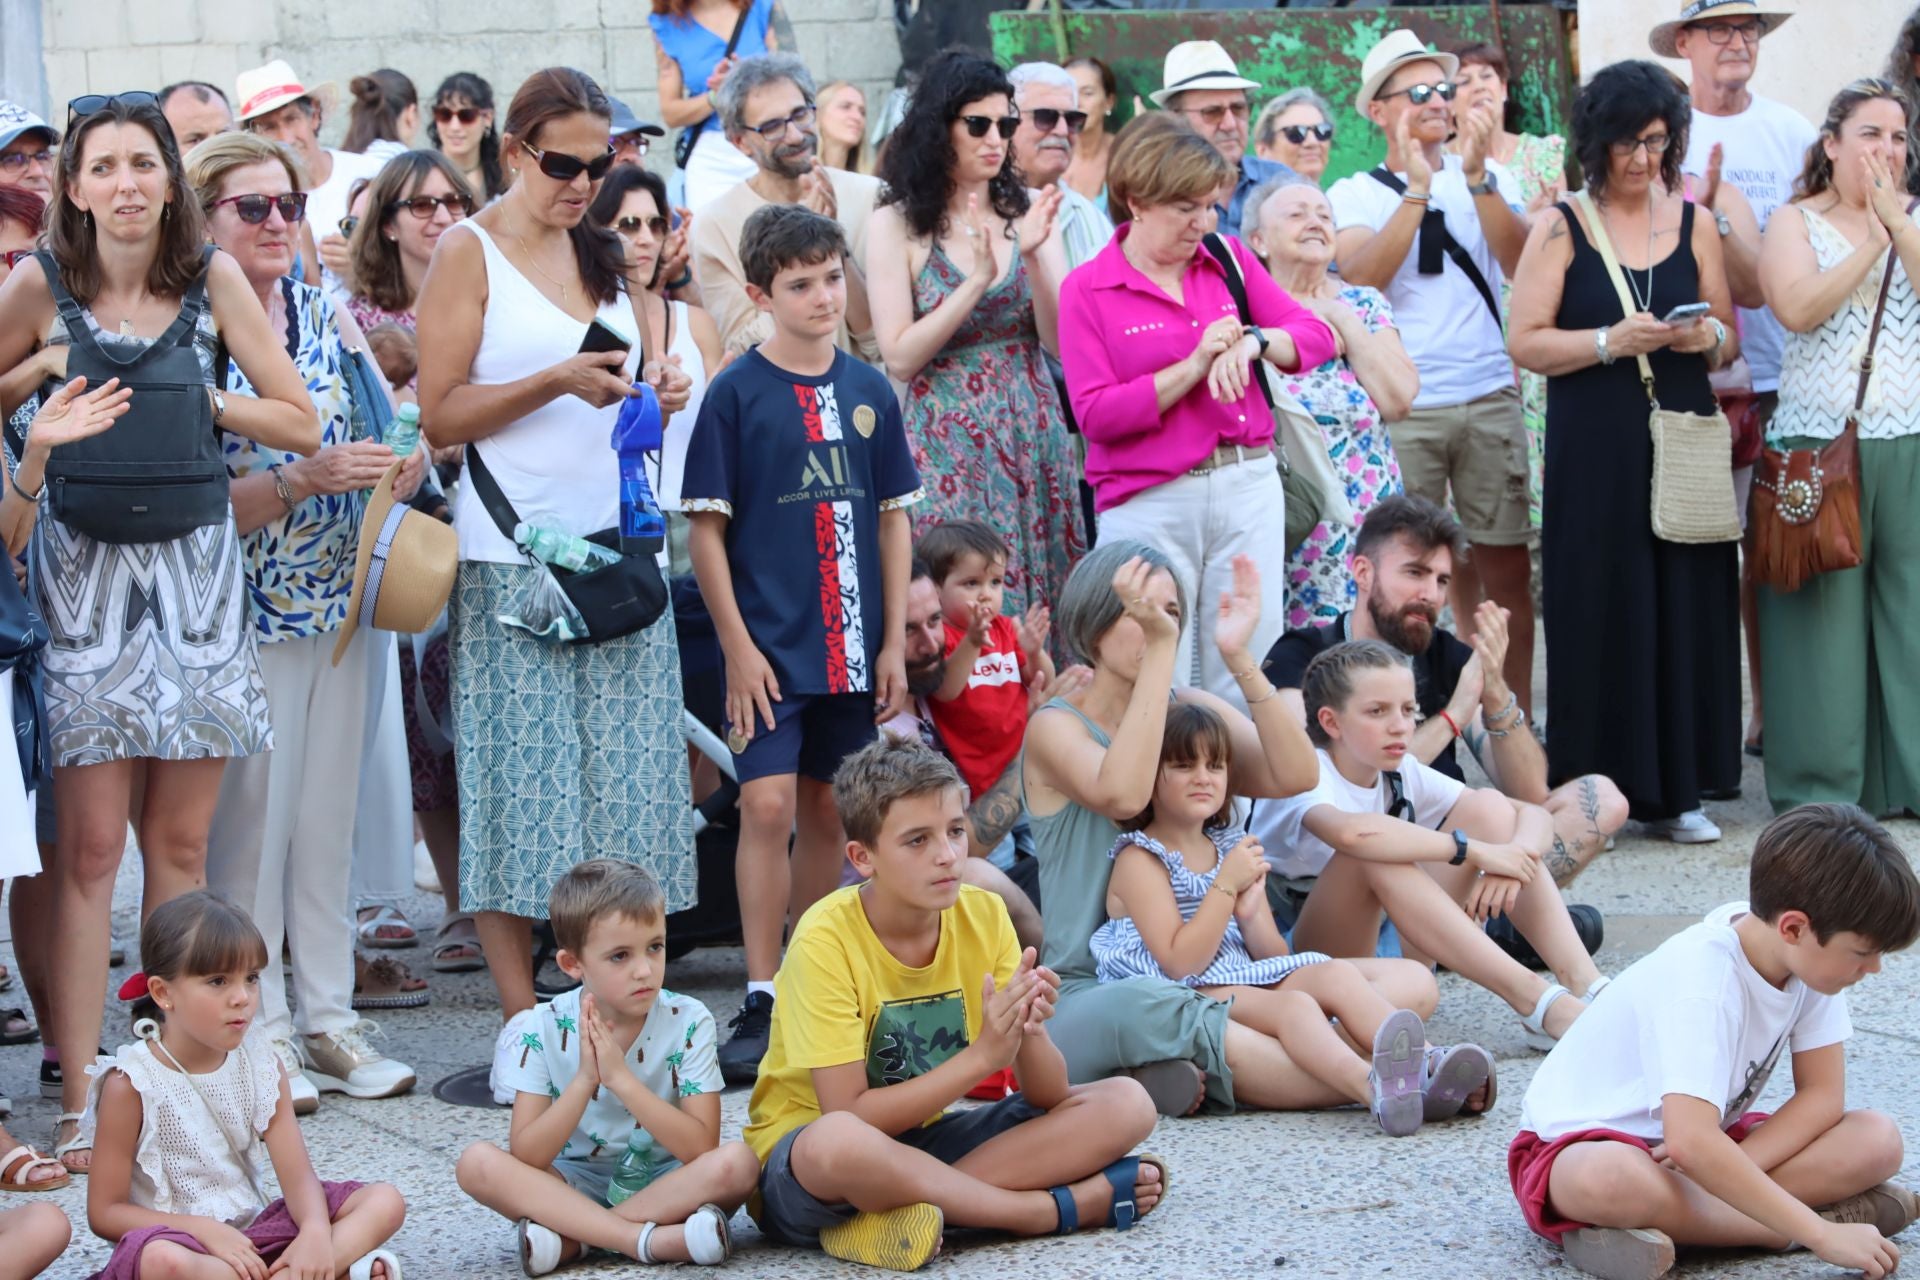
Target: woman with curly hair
964	279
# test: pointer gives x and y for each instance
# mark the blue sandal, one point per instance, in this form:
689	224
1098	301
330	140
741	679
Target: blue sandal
1122	1214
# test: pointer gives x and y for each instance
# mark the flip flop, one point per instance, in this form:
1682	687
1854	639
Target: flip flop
903	1239
1399	1070
14	1174
1453	1074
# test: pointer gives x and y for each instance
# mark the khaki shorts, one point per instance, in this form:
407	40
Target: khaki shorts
1478	451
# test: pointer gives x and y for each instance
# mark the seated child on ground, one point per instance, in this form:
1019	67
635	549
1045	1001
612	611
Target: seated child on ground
980	707
1188	902
896	996
1381	830
1638	1132
176	1174
615	1139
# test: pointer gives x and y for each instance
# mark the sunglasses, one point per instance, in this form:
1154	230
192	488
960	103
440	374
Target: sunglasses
14	257
1212	116
422	207
562	167
977	126
1047	119
1298	134
799	118
21	159
1421	94
253	209
656	226
447	115
89	103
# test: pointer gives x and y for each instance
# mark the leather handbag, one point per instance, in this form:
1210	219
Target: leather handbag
1806	502
1692	500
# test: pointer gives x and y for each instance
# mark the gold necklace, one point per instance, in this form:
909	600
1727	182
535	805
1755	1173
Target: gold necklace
533	262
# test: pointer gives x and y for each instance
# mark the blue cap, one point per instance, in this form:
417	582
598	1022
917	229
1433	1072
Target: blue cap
625	122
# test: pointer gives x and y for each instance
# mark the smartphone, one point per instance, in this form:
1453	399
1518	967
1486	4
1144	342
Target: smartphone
1686	313
604	337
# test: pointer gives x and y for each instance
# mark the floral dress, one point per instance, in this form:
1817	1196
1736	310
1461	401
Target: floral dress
989	436
1537	164
1319	572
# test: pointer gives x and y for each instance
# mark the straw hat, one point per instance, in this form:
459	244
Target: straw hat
403	571
1395	50
269	88
1661	38
1198	64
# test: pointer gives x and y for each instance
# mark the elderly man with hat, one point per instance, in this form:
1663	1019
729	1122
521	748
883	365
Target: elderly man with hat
1203	87
29	150
1434	231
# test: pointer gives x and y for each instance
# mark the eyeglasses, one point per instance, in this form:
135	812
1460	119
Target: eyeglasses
253	209
656	226
21	159
1047	119
800	117
1213	116
562	167
634	142
347	224
1421	94
89	103
14	257
1656	145
977	126
1298	134
1722	33
422	207
447	115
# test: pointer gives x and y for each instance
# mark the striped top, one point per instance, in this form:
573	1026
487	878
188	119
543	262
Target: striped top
1119	952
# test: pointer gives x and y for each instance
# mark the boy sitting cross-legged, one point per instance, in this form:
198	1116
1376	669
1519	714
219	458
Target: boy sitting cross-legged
1636	1135
896	996
616	1096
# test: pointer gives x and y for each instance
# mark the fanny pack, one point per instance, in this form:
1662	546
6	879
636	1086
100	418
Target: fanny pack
158	472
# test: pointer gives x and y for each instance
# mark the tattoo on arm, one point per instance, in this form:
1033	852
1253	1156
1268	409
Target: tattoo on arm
994	813
1557	228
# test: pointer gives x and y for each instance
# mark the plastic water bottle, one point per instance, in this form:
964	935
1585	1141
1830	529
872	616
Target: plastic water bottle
562	550
403	433
636	433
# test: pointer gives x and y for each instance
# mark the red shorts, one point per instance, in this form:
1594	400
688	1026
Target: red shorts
1530	1165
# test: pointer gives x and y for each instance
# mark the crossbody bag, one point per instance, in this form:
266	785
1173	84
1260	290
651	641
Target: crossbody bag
690	136
1435	240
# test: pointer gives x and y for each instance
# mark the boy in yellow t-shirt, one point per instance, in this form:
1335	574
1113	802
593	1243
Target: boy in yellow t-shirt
898	994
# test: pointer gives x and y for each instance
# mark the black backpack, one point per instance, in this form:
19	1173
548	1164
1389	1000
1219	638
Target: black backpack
159	472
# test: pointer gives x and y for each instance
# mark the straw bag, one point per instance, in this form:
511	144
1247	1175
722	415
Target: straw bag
1692	453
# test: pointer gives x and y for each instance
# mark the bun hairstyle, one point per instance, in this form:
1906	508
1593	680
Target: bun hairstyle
380	98
192	936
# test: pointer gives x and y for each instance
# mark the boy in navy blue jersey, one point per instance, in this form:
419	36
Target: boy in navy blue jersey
797	482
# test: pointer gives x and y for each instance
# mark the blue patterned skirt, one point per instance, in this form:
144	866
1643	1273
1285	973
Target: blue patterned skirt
564	752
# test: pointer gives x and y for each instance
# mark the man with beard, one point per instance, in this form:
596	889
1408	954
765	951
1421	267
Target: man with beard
1403	566
766	107
1048	100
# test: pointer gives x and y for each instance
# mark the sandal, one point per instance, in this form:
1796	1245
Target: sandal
1122	1214
457	946
400	989
903	1239
363	1269
15	1176
78	1142
29	1034
1535	1023
385	929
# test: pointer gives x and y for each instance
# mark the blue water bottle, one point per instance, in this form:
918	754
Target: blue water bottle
637	432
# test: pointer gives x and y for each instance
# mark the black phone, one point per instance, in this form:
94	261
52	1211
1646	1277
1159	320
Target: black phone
604	337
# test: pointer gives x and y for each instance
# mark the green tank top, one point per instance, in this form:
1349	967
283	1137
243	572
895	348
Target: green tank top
1072	846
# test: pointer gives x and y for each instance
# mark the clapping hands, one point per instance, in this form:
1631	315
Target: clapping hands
1011	1014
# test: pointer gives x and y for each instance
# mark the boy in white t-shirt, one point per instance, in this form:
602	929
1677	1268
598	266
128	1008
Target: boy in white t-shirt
1637	1133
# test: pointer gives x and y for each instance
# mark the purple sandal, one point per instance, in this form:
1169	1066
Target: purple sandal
1453	1074
1399	1071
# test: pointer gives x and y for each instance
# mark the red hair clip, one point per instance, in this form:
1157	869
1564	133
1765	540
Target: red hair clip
133	988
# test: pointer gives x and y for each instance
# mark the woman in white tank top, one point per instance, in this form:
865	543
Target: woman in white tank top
564	752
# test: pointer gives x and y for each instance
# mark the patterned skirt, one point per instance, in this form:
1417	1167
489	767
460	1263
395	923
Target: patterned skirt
563	752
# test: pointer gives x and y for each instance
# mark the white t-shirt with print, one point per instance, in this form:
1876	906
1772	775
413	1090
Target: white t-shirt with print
1694	1018
1294	851
674	1057
1444	321
1764	149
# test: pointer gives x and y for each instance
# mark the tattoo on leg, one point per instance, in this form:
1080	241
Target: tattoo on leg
1561	864
1590	806
994	813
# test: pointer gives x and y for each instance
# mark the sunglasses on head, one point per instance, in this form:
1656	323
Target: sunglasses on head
89	103
253	209
1298	134
447	115
1047	119
562	167
977	126
656	225
422	207
1421	94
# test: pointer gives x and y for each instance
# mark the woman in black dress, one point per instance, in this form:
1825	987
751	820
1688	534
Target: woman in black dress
1643	660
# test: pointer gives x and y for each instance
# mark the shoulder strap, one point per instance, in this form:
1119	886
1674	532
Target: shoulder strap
488	491
1434	223
1398	806
1873	330
71	313
739	26
1603	245
1230	267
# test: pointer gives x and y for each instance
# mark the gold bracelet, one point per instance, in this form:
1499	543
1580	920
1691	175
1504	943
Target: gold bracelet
1226	889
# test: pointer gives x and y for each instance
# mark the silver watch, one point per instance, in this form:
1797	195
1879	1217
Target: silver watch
1720	220
1600	347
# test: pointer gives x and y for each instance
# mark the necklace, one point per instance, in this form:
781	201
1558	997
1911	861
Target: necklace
1642	303
535	264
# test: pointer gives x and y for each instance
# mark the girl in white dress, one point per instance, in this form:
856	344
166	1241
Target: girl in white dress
182	1118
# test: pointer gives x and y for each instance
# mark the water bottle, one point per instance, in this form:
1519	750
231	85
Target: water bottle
562	550
403	433
636	433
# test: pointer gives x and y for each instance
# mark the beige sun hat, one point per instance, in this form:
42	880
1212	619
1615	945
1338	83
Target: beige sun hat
1661	38
403	570
269	88
1198	64
1395	50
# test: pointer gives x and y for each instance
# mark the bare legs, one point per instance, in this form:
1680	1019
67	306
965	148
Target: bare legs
1296	1014
367	1220
507	942
31	1237
1586	813
770	888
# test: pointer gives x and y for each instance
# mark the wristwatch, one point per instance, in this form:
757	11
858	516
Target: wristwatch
1600	347
1259	335
1720	220
219	405
1459	847
1489	186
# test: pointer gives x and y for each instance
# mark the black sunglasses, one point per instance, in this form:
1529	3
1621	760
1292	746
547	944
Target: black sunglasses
422	207
656	226
1421	94
977	126
562	167
1298	134
89	103
253	209
800	117
447	115
1047	119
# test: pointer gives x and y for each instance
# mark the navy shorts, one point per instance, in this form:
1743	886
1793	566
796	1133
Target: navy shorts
790	1214
812	733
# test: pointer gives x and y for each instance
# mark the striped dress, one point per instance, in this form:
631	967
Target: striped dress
1119	952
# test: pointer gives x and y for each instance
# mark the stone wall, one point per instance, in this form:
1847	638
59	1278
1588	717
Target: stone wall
99	46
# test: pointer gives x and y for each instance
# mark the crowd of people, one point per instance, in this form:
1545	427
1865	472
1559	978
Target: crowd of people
1056	520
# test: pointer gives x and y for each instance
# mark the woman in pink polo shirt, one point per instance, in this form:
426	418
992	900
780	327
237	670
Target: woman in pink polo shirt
1160	372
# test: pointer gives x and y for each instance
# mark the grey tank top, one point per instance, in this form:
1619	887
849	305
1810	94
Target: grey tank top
1074	868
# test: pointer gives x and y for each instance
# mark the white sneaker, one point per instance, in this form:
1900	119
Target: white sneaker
346	1062
1693	827
306	1098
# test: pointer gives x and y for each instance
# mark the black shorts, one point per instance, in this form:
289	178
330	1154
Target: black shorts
812	733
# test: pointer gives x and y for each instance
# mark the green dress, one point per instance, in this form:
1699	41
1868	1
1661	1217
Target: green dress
1537	164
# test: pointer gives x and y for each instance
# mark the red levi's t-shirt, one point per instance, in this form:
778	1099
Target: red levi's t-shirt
983	728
